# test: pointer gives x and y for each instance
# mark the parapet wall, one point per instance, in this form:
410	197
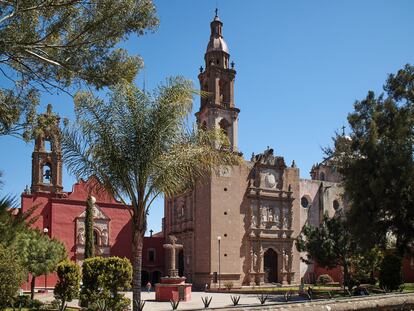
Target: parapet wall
387	302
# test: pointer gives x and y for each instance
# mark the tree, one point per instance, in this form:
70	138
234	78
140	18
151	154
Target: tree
51	45
12	275
330	245
67	287
11	221
365	264
39	253
138	146
377	166
89	238
390	272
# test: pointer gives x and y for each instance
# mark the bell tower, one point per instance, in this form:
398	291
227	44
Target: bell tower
47	154
217	109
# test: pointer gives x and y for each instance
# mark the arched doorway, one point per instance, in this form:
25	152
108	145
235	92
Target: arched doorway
155	277
270	266
144	278
181	263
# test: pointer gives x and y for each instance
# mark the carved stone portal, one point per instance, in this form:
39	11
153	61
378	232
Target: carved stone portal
101	230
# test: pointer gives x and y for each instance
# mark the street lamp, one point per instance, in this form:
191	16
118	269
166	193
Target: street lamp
219	275
46	232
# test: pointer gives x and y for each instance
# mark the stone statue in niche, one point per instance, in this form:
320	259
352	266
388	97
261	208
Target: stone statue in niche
270	214
254	218
286	259
81	236
263	214
276	216
286	217
254	222
104	237
255	258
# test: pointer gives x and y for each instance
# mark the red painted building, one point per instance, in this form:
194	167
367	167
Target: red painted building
61	214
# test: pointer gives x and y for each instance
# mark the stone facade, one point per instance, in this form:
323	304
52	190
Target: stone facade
249	214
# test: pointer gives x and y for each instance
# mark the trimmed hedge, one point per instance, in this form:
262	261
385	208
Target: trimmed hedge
68	285
102	279
390	272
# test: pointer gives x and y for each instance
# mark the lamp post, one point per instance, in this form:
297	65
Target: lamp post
219	274
46	232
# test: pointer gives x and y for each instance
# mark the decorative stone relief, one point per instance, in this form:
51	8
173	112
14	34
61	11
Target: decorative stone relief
225	171
270	180
101	226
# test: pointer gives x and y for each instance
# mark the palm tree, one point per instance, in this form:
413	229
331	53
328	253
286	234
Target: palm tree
139	146
12	220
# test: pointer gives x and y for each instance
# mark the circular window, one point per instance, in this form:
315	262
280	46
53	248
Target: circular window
335	205
304	202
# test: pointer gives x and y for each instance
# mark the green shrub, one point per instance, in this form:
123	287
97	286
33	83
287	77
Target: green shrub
67	287
12	275
102	279
35	304
390	272
324	279
229	285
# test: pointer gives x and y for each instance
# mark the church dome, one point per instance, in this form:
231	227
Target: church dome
217	45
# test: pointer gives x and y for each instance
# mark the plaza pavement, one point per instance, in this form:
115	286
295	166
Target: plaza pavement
220	300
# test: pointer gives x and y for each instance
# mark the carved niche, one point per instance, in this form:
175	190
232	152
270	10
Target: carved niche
101	233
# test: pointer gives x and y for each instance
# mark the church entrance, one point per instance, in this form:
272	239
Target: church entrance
270	266
145	277
181	263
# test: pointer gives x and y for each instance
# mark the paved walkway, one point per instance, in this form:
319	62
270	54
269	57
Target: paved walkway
220	300
223	302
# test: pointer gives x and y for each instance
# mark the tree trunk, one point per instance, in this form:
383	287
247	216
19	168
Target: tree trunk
137	242
346	275
32	287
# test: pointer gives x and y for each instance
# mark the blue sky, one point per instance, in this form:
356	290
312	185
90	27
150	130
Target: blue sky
300	65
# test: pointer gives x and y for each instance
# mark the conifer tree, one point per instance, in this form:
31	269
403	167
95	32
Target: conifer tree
377	164
39	254
56	45
89	238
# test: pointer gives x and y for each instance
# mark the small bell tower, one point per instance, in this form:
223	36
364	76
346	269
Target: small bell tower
47	154
217	109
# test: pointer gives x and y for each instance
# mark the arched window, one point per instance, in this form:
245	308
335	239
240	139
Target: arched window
335	205
151	255
224	92
322	176
304	201
96	237
48	145
46	173
224	125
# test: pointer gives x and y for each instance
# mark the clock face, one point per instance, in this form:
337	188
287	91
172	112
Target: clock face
270	180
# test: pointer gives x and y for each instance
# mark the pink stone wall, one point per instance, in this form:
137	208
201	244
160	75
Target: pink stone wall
59	214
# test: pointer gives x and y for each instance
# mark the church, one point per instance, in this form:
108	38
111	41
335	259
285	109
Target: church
238	226
241	224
